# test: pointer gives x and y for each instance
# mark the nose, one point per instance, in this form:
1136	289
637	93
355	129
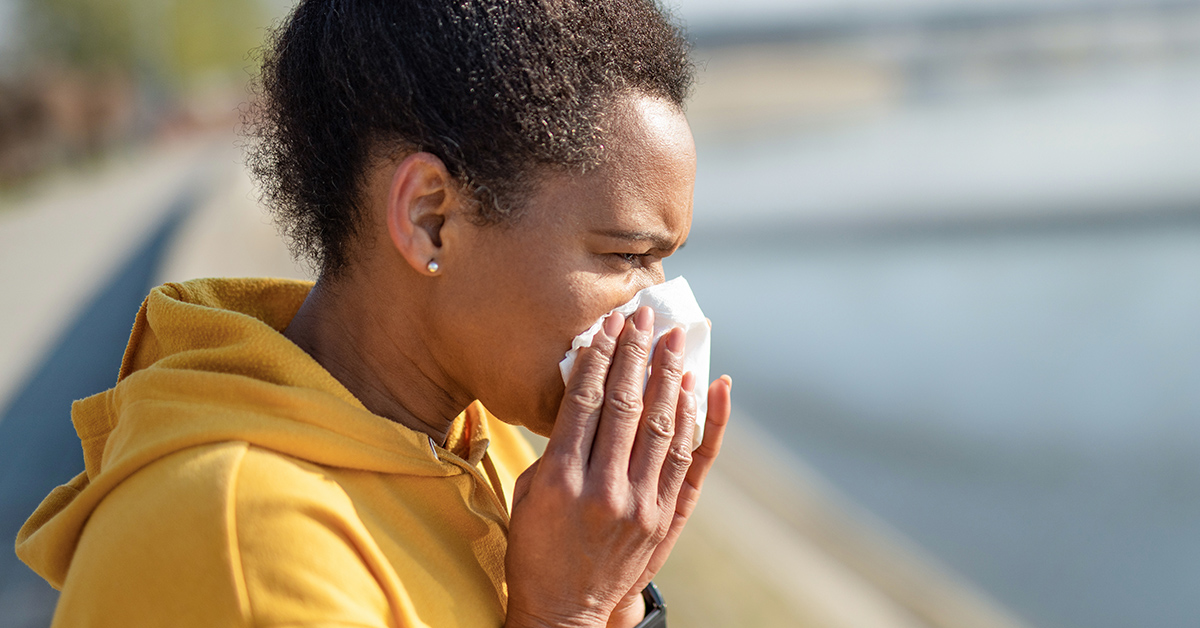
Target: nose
647	280
644	280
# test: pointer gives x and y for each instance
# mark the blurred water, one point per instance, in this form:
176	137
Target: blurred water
976	309
1021	402
709	13
1122	139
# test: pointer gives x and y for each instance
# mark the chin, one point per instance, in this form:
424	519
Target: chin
543	426
540	423
541	419
536	413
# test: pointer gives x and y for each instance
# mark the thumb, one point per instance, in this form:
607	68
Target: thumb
521	486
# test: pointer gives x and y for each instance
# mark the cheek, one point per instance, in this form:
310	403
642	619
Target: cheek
545	318
577	307
511	316
510	326
529	331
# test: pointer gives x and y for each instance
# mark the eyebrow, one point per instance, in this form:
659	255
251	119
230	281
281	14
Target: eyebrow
658	240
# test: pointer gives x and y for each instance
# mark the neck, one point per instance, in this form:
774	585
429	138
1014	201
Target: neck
377	352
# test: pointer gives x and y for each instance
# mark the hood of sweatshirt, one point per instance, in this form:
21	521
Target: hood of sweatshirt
206	363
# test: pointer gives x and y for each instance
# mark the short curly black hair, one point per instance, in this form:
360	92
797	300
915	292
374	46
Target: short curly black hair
497	89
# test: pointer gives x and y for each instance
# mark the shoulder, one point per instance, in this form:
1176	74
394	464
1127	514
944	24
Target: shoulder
159	546
224	534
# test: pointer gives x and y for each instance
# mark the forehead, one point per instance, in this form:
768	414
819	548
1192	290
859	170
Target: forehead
645	179
639	125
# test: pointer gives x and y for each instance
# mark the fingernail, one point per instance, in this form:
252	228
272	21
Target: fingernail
613	324
675	339
644	318
728	382
689	381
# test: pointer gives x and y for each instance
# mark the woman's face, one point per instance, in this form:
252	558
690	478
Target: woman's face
511	298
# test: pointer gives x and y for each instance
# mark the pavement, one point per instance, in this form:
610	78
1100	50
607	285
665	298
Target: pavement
71	292
770	545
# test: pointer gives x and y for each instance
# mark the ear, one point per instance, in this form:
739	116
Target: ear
419	201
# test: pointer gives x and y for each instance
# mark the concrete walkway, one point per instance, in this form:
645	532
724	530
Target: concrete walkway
72	290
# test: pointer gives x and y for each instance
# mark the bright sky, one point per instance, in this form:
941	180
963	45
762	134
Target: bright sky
708	13
704	13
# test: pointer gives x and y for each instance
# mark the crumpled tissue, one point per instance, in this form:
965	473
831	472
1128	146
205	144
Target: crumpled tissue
674	306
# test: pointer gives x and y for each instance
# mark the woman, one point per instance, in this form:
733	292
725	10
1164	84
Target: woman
476	182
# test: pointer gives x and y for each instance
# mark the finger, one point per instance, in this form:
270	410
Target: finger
575	427
671	485
663	550
719	406
679	456
622	409
658	423
524	481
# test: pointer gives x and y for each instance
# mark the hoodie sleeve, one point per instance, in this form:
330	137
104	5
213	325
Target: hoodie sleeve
306	557
156	551
229	535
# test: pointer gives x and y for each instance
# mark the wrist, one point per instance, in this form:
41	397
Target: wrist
519	617
629	612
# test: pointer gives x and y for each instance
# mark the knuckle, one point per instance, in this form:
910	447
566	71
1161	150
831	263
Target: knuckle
659	425
671	369
583	397
647	520
679	456
624	401
687	408
602	346
664	528
592	360
633	351
561	486
603	505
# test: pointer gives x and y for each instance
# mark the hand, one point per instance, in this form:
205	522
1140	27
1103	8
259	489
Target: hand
595	518
632	608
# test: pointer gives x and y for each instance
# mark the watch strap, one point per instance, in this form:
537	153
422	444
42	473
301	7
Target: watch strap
656	608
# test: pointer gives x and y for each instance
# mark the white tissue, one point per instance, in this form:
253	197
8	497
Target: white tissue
674	306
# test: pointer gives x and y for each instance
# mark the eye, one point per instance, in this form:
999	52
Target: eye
633	260
625	260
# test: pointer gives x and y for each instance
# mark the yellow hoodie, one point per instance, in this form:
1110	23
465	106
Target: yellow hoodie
232	481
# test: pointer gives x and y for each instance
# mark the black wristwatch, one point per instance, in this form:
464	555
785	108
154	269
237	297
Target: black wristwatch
656	608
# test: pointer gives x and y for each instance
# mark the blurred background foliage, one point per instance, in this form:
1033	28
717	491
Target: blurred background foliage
181	40
78	77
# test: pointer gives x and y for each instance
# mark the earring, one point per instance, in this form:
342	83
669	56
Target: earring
432	267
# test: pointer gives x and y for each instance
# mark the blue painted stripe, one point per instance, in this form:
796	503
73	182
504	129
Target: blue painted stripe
38	446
